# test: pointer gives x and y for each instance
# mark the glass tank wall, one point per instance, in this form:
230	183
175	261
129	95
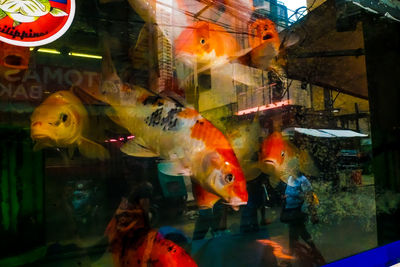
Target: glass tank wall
198	133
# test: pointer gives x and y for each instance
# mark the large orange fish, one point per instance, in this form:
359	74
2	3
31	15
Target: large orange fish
264	41
204	42
243	136
180	135
62	121
279	158
133	243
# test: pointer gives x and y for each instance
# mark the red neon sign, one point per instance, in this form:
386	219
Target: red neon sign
264	107
34	22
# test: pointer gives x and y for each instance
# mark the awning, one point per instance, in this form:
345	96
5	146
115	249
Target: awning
324	133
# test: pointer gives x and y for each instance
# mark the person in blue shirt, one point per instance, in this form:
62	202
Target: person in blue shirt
299	201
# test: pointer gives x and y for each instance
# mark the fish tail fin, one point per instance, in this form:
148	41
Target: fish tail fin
92	150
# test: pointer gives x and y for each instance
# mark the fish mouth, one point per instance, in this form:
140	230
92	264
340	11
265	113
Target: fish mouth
235	203
39	136
269	162
268	36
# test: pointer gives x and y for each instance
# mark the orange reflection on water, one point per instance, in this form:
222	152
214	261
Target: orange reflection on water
277	249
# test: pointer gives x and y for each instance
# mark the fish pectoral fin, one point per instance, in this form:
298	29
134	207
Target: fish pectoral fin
56	12
132	148
92	150
174	168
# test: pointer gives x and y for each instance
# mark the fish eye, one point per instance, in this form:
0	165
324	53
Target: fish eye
202	41
229	178
64	117
282	153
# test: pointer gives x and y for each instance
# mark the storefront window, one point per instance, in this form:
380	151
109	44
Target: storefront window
197	133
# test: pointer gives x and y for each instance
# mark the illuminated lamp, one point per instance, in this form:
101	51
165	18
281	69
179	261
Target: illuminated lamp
15	57
75	54
264	107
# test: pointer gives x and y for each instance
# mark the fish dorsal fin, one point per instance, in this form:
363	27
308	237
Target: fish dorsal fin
174	168
91	149
133	148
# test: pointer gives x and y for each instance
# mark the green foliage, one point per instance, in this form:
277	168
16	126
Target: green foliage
339	206
358	204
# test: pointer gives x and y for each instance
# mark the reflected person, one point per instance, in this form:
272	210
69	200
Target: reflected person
298	195
256	189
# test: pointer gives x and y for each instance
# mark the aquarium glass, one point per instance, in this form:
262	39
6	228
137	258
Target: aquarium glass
198	132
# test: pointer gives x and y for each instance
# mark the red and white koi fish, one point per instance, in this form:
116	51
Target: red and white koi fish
180	135
61	121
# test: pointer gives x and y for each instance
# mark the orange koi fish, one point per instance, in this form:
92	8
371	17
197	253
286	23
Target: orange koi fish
265	41
61	121
267	45
279	158
243	137
133	243
264	31
205	41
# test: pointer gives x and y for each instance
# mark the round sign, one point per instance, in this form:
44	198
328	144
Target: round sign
34	22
